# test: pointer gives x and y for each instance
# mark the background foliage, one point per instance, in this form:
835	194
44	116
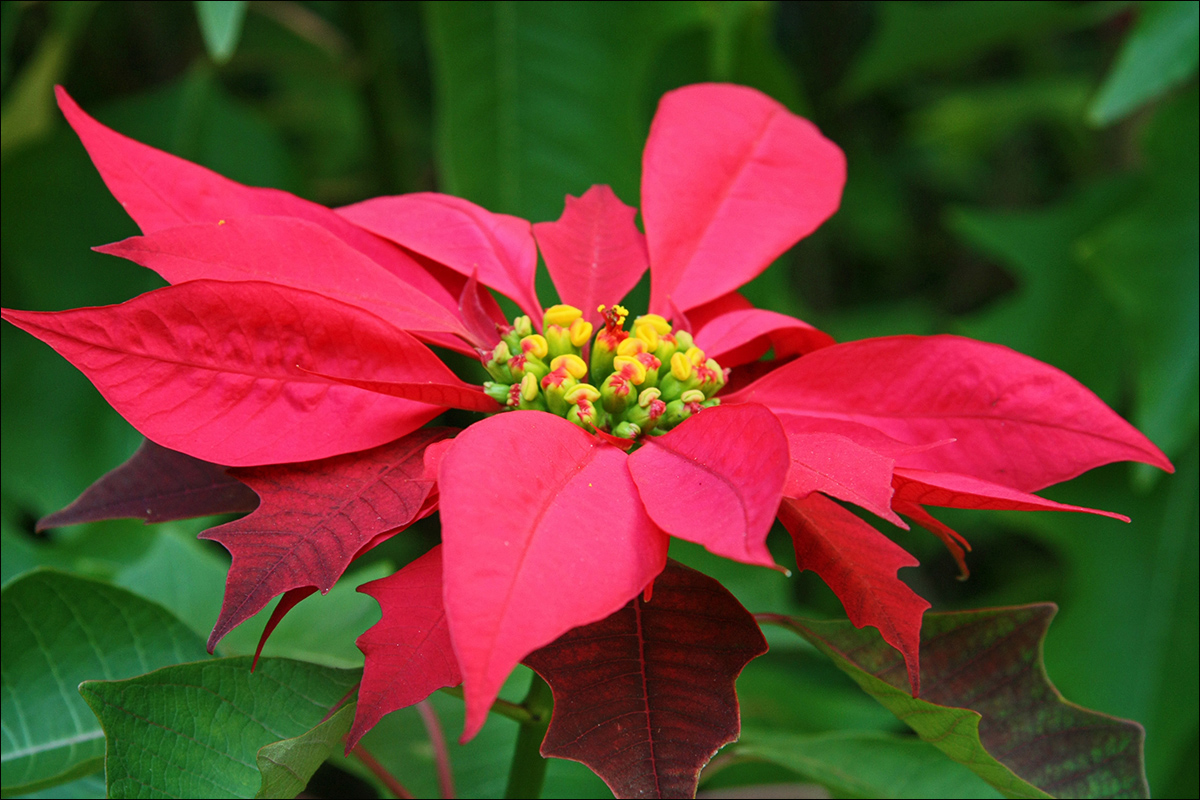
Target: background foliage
1023	173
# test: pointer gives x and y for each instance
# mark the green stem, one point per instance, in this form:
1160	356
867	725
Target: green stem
528	767
517	713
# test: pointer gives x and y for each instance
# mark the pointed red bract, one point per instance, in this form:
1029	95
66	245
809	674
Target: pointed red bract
315	518
465	237
156	485
962	491
859	563
645	697
1018	422
229	372
594	252
291	252
730	180
542	531
408	652
829	463
716	480
480	314
740	337
160	190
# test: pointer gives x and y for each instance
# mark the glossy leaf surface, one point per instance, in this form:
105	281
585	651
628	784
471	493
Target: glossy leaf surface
716	480
497	248
730	179
645	697
315	518
196	730
288	251
859	563
987	702
227	372
58	630
742	336
594	252
408	652
156	485
1017	421
542	531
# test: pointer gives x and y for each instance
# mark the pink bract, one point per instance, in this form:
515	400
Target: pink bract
295	333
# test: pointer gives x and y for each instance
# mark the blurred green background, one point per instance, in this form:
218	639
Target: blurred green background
1023	173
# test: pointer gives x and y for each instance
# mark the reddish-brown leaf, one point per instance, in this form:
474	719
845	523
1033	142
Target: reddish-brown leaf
408	652
157	485
859	563
645	697
315	518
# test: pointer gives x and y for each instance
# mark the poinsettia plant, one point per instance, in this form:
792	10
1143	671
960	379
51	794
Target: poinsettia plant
296	366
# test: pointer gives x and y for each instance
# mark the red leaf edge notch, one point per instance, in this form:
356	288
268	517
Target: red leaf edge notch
645	697
315	518
408	654
859	563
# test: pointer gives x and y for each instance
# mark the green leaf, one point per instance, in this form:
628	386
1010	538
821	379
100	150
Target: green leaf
915	38
1059	313
988	704
221	25
865	764
535	100
58	630
195	730
287	765
1145	258
1160	53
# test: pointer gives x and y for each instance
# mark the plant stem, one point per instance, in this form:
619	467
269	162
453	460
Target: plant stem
517	713
528	767
441	755
394	786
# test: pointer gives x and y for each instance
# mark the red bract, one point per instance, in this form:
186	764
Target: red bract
292	333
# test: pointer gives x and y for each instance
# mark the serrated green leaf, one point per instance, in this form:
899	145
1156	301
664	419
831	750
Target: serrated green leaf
865	764
58	630
287	765
221	25
986	702
195	730
1161	52
535	100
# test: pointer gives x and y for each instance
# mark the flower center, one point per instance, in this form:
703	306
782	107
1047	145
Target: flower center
644	381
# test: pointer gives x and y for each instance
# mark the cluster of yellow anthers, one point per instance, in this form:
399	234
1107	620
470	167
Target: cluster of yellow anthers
621	389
